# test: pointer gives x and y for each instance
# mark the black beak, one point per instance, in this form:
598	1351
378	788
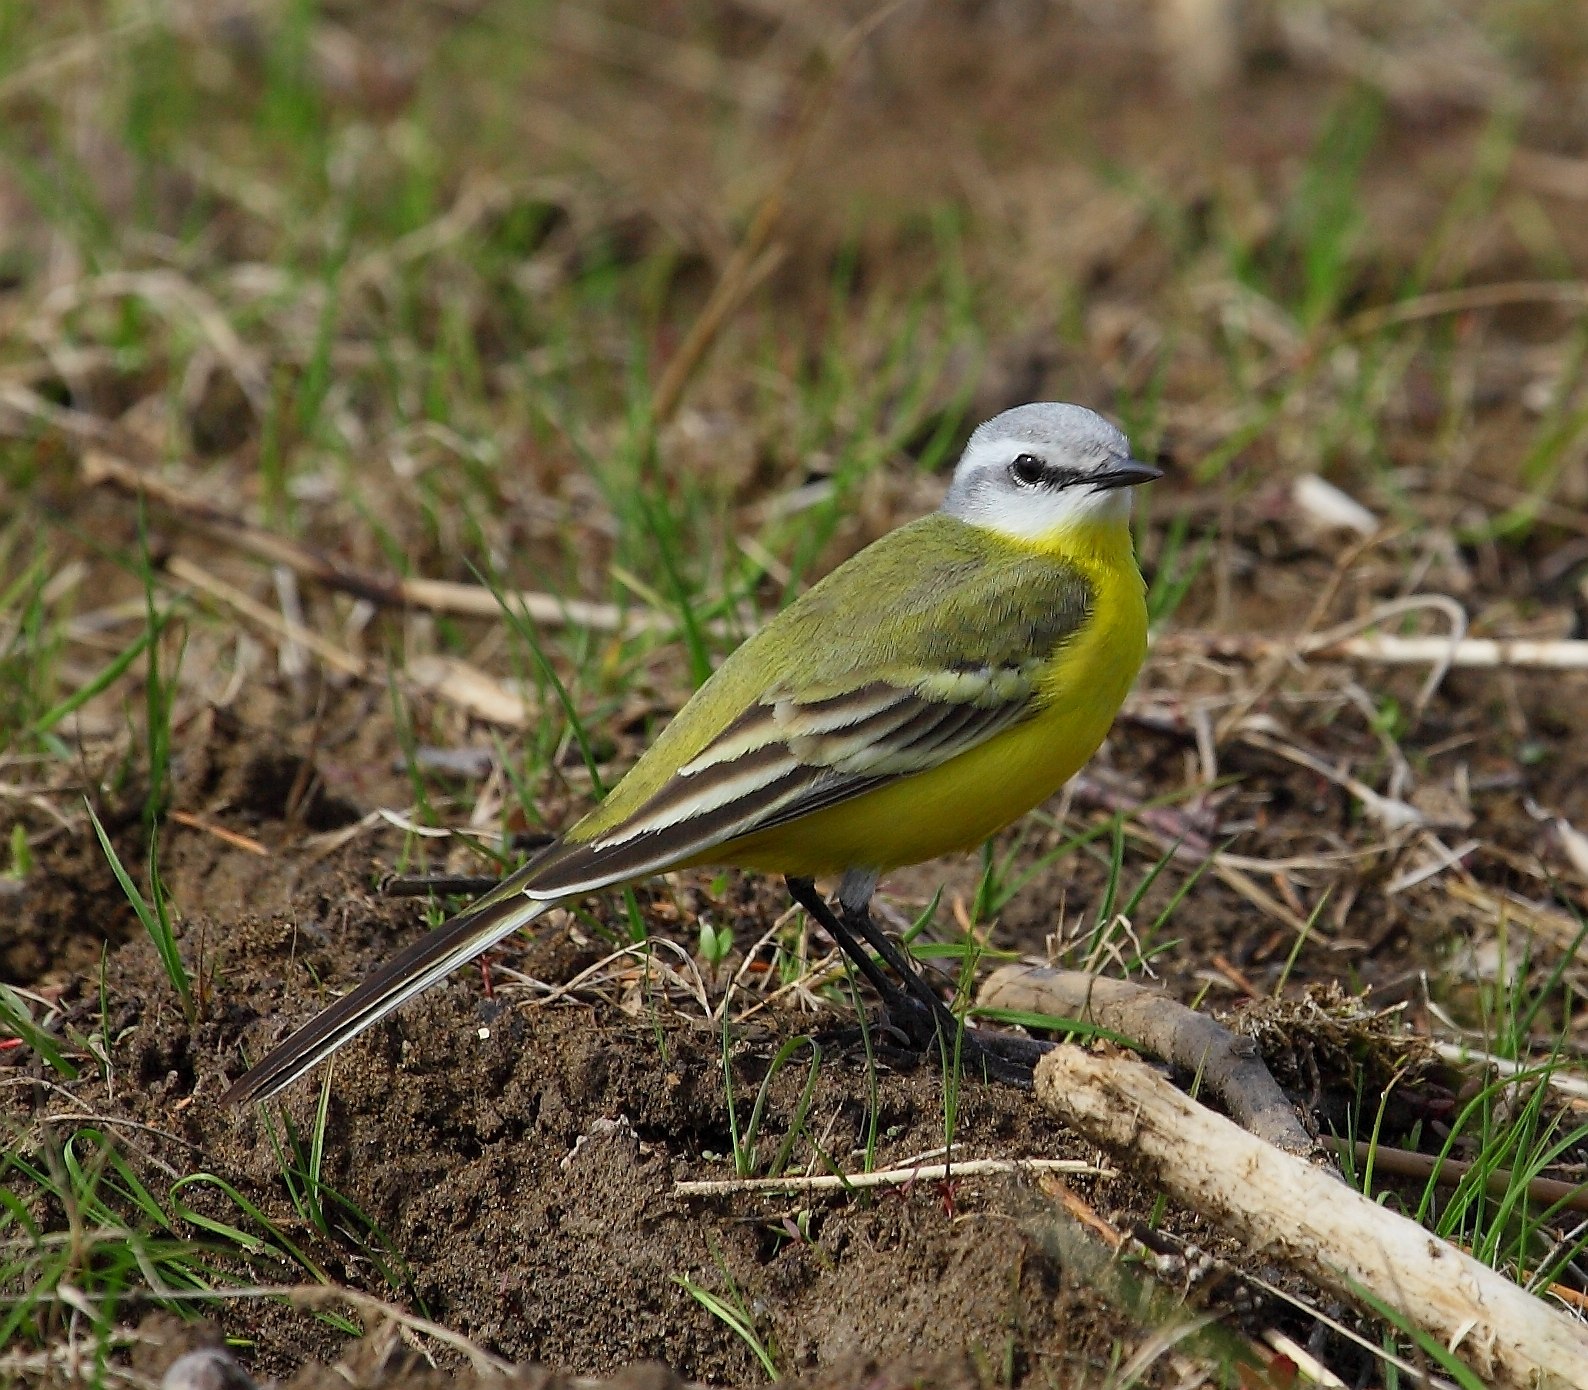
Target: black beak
1126	474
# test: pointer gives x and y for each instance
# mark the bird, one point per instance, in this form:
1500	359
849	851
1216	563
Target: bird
936	686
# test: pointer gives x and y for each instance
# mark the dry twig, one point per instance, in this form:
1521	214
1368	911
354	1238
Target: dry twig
1460	653
1227	1063
436	595
890	1177
1447	1172
1293	1212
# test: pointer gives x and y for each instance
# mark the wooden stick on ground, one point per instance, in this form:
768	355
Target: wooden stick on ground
1387	649
1227	1063
101	468
1447	1172
888	1177
1295	1213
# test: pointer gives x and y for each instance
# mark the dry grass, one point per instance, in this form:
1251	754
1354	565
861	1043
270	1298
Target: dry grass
650	315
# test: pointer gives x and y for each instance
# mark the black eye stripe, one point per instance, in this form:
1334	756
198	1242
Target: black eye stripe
1030	471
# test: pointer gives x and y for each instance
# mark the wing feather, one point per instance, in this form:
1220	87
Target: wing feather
788	757
861	694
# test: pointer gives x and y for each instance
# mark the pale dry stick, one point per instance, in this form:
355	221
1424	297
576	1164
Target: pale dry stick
444	678
161	290
409	826
1394	608
1227	1063
200	581
1448	1172
1307	643
1304	1361
1289	863
1469	653
1461	1055
1462	654
466	686
294	664
436	595
1295	1213
747	263
1442	859
891	1177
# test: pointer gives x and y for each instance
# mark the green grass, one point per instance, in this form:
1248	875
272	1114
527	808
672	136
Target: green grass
85	1229
734	1313
19	1020
452	318
153	913
1514	1124
745	1143
1511	1130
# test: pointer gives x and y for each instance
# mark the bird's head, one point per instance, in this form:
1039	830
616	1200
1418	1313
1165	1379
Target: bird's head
1038	471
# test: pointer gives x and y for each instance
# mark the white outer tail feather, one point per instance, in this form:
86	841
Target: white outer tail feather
427	961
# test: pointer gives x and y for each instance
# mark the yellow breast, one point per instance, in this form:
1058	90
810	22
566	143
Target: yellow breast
958	805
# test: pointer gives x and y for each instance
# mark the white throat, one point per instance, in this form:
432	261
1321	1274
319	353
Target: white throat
983	495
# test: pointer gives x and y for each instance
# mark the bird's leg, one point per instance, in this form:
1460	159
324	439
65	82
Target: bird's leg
925	1017
854	906
803	891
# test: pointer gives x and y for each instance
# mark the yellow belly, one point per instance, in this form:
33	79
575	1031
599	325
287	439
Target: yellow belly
958	805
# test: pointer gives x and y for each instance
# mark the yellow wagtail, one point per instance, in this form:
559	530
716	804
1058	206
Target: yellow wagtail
923	695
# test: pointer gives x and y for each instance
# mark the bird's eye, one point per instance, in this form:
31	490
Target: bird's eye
1027	469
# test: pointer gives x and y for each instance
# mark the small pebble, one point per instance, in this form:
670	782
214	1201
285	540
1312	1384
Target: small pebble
207	1369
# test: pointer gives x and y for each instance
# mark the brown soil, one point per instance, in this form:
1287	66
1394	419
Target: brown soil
499	1158
519	1161
517	1158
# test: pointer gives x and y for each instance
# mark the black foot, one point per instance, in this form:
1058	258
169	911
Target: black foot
912	1004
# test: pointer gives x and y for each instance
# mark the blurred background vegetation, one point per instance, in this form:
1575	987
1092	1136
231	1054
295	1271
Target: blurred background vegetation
666	308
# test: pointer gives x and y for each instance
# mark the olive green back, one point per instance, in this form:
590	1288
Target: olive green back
935	595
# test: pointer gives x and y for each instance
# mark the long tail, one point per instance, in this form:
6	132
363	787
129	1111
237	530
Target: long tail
450	945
